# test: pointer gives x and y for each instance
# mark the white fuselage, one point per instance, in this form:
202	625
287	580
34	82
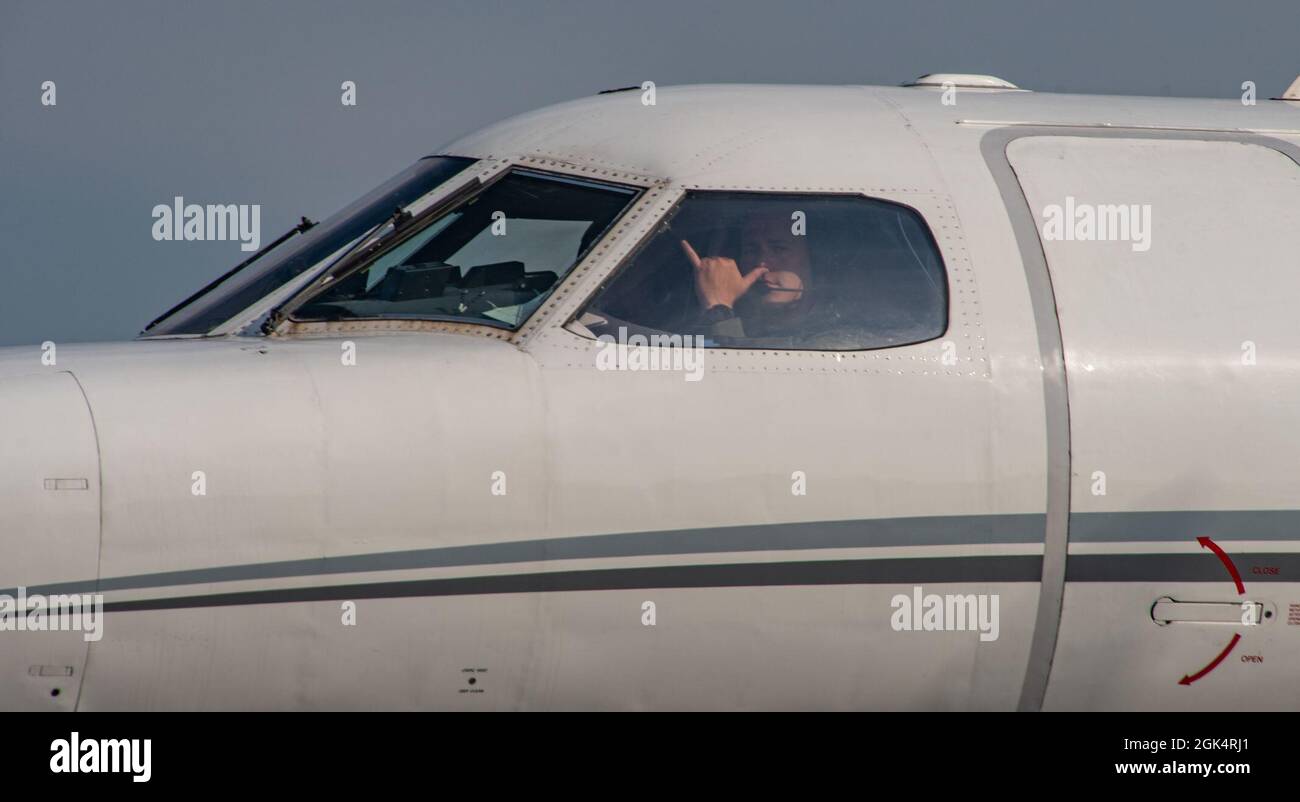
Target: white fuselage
273	526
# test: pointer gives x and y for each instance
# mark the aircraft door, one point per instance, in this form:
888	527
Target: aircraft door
1172	264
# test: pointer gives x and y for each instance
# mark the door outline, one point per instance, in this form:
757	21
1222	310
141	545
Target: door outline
993	148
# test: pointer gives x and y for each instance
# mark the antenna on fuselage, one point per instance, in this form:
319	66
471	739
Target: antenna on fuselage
1292	92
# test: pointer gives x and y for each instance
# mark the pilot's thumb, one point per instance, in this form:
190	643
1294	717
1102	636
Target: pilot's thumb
754	275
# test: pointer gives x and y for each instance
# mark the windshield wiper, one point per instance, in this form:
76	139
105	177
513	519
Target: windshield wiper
403	223
303	227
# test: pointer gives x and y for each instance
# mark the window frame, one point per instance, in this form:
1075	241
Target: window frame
288	325
574	325
267	303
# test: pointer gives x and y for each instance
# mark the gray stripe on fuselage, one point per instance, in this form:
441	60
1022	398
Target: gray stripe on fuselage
943	530
1185	525
984	569
1202	567
1223	526
907	570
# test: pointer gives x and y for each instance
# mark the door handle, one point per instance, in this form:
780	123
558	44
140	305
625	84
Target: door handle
1167	610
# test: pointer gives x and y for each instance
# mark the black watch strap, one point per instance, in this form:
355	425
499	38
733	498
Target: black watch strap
718	313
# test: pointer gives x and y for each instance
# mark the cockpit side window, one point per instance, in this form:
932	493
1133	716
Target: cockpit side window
781	271
232	293
492	259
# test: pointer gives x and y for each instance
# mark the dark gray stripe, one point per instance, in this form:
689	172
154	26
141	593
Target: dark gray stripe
1017	568
1184	525
984	569
942	530
1223	526
1205	567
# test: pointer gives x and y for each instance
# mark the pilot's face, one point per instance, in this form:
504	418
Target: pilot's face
767	241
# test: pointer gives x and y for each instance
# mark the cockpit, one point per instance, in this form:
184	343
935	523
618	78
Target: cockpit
444	242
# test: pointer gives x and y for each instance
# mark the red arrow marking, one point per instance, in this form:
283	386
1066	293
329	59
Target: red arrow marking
1206	543
1186	680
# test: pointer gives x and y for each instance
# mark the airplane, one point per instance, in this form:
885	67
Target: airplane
943	396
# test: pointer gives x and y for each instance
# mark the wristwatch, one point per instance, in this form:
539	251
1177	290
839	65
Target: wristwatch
718	313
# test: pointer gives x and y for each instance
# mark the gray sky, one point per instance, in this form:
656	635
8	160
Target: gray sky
238	102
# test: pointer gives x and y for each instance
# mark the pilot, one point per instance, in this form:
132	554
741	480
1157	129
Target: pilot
767	292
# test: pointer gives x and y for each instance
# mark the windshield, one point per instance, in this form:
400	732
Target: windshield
492	259
228	297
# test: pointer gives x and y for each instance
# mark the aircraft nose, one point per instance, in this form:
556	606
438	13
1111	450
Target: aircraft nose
49	479
49	530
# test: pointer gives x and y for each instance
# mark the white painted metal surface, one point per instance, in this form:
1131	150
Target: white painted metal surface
372	483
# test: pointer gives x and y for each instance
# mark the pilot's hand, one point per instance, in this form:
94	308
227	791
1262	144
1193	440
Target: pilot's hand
718	280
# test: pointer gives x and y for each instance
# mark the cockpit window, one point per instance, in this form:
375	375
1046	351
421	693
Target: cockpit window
491	260
765	270
222	300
